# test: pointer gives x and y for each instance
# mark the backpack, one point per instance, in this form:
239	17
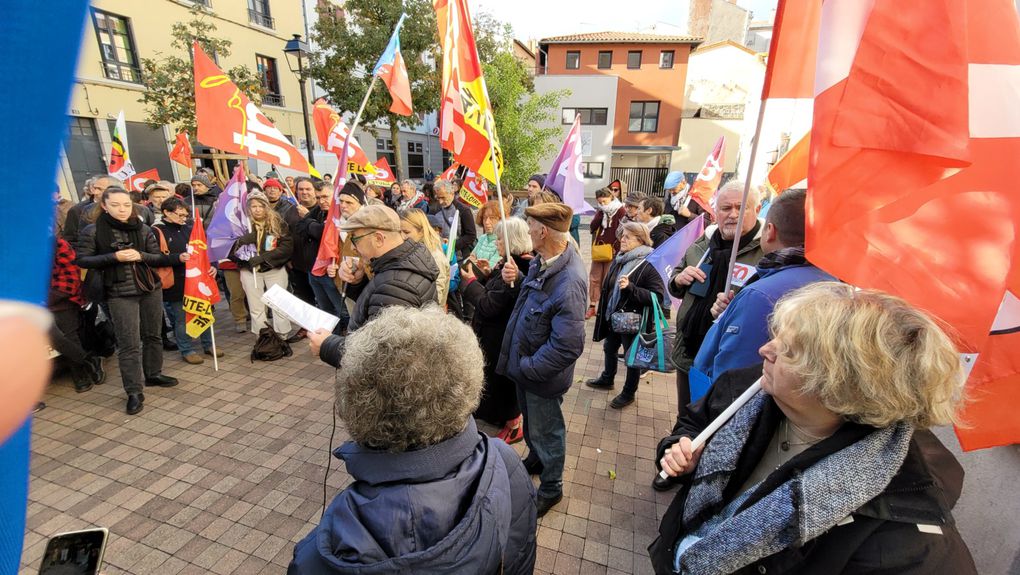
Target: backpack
270	346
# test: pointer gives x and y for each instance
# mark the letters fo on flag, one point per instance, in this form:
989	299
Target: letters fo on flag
466	121
904	134
332	133
120	164
200	290
228	120
182	150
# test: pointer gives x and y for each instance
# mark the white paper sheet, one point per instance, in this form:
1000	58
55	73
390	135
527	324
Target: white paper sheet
287	304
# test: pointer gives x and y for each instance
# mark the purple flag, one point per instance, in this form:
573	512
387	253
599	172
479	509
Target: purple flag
565	175
230	220
671	251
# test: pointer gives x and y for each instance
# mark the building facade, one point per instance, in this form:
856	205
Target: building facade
629	90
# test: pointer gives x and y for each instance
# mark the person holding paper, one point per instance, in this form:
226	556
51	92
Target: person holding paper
274	245
830	467
404	274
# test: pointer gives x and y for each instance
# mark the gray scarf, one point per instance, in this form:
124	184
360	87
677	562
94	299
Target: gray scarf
625	262
797	511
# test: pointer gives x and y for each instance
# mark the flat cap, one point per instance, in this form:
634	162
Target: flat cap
373	217
555	216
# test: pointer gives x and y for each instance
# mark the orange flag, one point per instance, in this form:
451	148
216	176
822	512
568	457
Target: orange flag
475	190
228	120
707	180
182	151
136	183
382	174
792	167
200	289
332	132
790	72
905	134
465	119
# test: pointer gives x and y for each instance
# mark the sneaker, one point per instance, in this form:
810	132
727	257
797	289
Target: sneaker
219	352
241	327
514	435
194	359
590	313
600	383
621	401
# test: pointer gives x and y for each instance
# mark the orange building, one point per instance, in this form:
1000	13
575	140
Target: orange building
650	72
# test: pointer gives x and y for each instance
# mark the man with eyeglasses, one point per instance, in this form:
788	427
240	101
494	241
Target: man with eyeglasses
404	274
94	187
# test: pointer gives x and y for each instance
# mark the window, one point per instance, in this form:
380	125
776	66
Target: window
573	60
258	13
592	170
634	59
120	61
666	58
384	149
589	116
415	160
644	117
266	68
605	60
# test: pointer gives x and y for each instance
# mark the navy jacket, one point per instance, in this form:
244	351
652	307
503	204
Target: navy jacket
545	334
465	505
734	339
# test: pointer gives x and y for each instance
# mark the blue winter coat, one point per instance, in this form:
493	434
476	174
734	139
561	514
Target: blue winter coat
734	339
545	334
465	505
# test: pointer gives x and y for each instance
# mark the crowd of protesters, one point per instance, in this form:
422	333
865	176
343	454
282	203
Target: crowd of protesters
450	313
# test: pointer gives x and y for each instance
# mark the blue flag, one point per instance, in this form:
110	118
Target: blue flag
666	256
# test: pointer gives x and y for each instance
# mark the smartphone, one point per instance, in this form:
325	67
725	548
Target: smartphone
700	289
75	553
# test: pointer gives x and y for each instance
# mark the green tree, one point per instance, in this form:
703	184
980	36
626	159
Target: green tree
524	120
351	42
169	81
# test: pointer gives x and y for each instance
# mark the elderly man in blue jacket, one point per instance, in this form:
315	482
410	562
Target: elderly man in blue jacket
742	325
544	338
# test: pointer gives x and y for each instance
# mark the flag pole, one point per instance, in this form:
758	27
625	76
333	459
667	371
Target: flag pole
215	360
743	202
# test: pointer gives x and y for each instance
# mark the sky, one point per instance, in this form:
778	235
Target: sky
541	18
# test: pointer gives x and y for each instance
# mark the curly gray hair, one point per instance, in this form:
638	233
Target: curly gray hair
517	231
410	379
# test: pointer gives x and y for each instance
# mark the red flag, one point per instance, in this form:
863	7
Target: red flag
474	190
136	183
329	245
450	172
709	177
790	72
200	290
393	71
382	175
466	121
332	133
792	167
228	120
905	133
182	150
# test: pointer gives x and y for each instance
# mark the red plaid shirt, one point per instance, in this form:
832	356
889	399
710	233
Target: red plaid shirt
66	277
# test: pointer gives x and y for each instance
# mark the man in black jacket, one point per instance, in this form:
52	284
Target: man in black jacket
94	187
404	273
660	227
447	208
305	246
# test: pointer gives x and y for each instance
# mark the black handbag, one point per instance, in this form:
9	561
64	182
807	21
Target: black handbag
146	279
92	286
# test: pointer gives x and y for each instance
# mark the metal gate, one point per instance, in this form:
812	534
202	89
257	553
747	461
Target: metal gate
84	153
647	180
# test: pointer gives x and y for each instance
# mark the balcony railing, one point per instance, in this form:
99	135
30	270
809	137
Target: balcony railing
273	100
122	72
264	20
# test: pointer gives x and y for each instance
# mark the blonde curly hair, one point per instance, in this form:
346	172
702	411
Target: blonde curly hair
869	356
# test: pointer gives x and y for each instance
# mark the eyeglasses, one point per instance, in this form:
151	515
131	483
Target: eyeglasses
354	239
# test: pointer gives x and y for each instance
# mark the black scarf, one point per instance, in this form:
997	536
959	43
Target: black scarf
107	242
695	325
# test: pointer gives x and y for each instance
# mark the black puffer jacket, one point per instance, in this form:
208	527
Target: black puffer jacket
177	238
307	235
644	281
883	536
404	276
104	259
205	205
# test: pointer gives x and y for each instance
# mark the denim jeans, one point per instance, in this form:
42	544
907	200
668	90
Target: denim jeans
136	321
610	346
185	343
546	436
327	297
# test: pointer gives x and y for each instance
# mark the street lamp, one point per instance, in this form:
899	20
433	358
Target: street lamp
297	48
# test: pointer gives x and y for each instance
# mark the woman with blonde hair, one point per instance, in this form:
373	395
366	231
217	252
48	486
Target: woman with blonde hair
830	467
262	255
414	226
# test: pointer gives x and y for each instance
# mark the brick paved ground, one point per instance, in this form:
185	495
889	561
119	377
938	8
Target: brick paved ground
224	472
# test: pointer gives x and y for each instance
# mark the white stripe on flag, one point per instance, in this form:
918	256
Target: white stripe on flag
840	30
994	96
